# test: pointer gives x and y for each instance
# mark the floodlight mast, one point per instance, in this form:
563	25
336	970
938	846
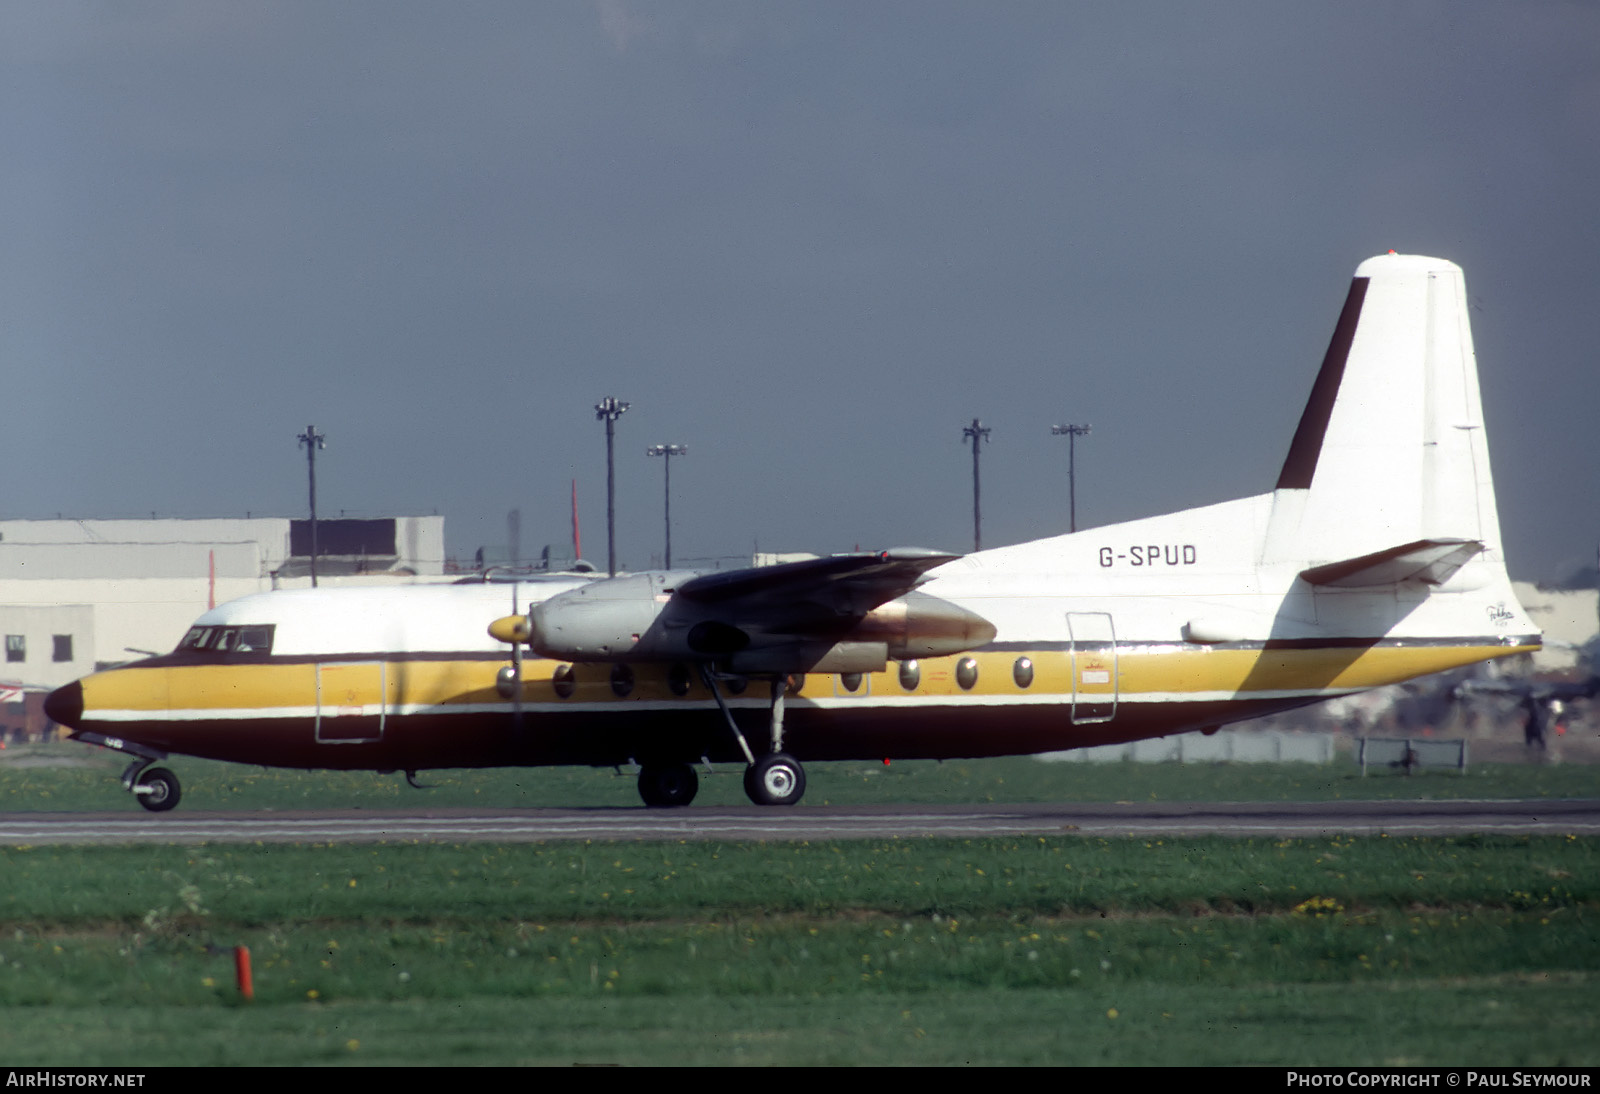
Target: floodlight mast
666	452
608	410
1072	433
977	433
312	440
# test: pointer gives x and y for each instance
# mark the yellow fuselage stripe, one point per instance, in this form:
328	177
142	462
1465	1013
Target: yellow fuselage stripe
1135	675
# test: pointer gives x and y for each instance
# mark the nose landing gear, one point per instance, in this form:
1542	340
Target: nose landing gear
155	788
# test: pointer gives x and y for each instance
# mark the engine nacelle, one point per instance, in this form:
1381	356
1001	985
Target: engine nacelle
605	620
918	625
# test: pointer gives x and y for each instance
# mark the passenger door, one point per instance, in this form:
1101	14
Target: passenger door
1094	666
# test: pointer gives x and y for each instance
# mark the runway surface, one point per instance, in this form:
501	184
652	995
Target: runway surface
1250	819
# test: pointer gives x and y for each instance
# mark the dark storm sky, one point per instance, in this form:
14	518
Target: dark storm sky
809	241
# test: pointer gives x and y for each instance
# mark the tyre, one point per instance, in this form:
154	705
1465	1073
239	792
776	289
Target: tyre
667	785
157	790
775	779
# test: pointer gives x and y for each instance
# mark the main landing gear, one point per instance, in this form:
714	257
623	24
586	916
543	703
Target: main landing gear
776	778
773	779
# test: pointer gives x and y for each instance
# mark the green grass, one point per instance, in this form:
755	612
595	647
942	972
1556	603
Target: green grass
218	786
1481	1021
1019	951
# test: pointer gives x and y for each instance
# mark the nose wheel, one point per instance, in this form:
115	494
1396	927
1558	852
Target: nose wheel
157	790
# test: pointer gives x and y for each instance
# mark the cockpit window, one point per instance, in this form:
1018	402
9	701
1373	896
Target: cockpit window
253	639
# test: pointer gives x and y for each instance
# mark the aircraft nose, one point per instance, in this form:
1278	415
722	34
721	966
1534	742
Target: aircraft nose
64	705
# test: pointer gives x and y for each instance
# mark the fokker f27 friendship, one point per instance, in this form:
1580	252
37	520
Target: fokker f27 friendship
1376	558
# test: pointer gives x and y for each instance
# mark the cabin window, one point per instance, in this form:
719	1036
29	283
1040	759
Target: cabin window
564	681
851	681
967	673
621	680
62	649
678	678
910	675
16	647
1022	672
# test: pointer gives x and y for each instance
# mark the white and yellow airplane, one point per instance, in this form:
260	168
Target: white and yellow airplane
1376	558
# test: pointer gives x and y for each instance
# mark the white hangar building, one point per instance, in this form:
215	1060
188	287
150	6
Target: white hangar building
79	593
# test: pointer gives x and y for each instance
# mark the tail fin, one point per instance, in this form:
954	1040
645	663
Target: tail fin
1387	478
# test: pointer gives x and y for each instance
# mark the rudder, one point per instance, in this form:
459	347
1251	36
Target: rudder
1390	450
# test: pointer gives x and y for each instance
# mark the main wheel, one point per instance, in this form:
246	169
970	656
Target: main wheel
667	785
775	779
157	790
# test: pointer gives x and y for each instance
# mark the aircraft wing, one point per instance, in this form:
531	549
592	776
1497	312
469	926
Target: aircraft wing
843	613
861	581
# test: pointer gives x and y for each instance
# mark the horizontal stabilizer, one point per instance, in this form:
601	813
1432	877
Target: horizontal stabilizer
1427	561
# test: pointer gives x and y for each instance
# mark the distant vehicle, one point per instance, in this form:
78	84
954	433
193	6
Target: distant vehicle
1375	559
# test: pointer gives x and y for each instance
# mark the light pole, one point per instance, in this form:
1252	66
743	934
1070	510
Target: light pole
1072	432
312	440
977	433
608	410
666	452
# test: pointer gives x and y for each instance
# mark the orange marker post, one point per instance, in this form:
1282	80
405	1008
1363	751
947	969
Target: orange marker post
241	969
